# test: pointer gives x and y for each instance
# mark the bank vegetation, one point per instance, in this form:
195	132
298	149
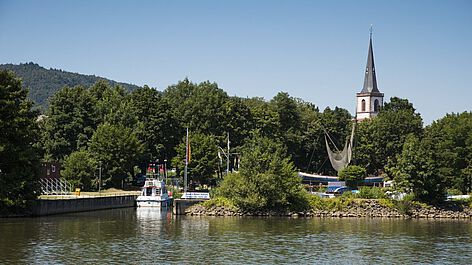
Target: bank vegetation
106	126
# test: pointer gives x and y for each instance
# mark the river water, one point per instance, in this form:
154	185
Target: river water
147	236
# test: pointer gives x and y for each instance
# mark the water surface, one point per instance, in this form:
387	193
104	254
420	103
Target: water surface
146	236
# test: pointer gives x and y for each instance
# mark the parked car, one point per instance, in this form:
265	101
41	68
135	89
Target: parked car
337	190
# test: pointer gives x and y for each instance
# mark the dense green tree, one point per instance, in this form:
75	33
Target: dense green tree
380	140
417	170
289	125
337	124
287	112
156	127
301	128
264	117
119	150
266	180
313	150
238	119
206	109
203	157
71	121
199	107
80	169
115	107
451	136
352	174
19	161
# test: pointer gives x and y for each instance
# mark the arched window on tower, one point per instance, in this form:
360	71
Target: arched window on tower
376	105
363	105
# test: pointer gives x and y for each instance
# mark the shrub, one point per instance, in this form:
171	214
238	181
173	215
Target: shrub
267	179
329	204
219	202
387	203
454	192
406	205
371	193
79	168
352	175
316	203
348	194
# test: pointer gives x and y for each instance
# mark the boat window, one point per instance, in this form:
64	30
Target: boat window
148	192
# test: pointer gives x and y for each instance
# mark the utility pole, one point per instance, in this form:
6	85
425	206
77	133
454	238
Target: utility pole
186	164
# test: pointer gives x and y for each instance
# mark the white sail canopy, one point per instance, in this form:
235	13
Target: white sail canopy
340	159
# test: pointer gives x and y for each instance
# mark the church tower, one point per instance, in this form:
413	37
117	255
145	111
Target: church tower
369	100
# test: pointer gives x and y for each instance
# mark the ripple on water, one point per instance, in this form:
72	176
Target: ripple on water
148	237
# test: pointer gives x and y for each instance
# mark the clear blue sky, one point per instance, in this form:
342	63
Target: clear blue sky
314	50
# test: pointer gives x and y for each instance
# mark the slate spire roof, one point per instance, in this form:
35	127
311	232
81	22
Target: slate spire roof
370	80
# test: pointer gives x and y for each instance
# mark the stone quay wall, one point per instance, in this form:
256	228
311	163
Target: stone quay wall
356	209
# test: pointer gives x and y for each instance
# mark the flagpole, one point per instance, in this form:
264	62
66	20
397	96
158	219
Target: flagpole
227	158
186	163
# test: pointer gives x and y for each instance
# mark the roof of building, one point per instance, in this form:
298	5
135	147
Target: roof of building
370	80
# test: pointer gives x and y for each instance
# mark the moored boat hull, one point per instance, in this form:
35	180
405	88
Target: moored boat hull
144	202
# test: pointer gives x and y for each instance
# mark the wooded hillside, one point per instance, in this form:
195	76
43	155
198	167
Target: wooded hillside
43	83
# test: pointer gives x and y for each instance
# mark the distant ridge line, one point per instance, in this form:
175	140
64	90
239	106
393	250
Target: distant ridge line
43	83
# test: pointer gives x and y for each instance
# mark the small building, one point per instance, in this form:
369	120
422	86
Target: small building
50	170
320	180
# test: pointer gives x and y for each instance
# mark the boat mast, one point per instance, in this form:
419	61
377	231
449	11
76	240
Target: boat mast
186	163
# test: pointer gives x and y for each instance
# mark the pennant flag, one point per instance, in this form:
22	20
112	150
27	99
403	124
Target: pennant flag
189	152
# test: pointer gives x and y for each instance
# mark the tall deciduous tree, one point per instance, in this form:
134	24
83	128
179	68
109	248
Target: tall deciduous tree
264	117
289	124
80	169
381	139
119	150
238	119
199	107
156	126
452	139
352	174
70	123
19	161
417	170
313	152
337	124
204	157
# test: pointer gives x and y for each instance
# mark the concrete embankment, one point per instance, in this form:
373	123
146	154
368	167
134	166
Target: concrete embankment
360	208
58	206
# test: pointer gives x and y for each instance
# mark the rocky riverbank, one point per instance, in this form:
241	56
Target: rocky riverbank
355	208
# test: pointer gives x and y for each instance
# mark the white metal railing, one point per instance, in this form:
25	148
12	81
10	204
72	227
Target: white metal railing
55	186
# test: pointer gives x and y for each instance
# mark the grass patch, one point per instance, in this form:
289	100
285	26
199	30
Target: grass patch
387	203
371	193
220	202
329	204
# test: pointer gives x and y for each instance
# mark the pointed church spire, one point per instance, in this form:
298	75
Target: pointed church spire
370	80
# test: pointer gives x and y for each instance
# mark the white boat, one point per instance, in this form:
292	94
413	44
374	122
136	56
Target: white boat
154	194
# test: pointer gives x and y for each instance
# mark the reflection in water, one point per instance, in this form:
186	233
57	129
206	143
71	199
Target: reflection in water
144	214
150	236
